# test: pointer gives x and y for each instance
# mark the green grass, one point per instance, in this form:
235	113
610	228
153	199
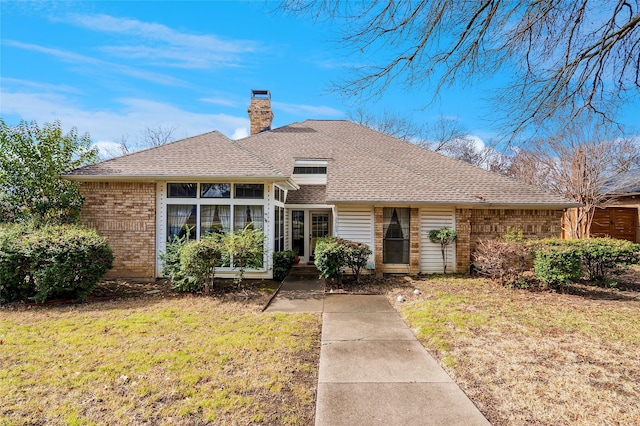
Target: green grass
166	361
532	358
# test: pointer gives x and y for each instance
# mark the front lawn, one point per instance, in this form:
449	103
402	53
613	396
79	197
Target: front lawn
157	360
532	358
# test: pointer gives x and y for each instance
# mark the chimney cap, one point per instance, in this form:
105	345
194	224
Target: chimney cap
261	94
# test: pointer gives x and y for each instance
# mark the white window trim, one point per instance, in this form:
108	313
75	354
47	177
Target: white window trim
267	203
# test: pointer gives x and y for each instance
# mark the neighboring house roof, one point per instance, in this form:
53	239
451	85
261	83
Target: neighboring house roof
208	155
627	183
363	166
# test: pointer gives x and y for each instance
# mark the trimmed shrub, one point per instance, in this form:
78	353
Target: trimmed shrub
52	261
198	262
504	261
170	260
555	266
282	263
356	256
329	257
332	254
603	257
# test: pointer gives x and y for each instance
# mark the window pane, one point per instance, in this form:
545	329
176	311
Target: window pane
249	190
215	190
309	170
278	220
181	221
248	216
297	232
215	219
396	232
182	190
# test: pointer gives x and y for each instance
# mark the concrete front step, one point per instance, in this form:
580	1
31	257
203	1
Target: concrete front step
305	270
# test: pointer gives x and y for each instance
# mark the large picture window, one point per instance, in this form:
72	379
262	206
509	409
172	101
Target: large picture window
396	232
198	209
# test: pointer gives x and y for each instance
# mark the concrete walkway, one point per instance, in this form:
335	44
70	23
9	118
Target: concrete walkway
373	370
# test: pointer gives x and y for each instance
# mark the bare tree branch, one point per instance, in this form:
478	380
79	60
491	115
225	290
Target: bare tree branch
567	59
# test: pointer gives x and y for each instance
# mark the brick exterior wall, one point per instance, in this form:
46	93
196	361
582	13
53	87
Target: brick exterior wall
414	242
482	224
377	239
124	213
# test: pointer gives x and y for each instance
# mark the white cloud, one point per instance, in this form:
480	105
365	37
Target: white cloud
99	64
163	45
240	133
308	110
108	149
130	118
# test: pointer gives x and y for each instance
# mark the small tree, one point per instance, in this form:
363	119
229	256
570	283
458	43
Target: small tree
32	158
444	237
245	249
356	256
198	261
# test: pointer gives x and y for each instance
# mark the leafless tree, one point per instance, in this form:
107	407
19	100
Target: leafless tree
157	136
565	57
389	123
578	162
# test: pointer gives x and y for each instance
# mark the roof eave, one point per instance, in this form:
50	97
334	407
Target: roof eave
550	206
154	178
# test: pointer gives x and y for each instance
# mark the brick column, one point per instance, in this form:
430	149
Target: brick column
463	242
377	239
414	242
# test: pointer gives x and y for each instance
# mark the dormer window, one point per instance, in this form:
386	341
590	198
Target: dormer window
310	170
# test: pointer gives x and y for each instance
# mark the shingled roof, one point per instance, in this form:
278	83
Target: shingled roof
363	166
209	155
369	167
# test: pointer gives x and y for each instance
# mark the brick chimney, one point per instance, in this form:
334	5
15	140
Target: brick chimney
260	113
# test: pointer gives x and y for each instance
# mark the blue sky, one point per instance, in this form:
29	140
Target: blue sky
116	68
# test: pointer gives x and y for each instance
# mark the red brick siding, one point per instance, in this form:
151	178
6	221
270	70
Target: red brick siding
124	213
475	225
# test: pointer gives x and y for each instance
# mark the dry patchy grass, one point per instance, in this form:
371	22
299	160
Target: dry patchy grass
157	360
532	358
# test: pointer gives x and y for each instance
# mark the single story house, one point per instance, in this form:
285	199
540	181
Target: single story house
301	182
620	218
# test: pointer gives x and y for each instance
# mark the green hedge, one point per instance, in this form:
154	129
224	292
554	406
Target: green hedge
557	262
282	263
556	265
54	261
334	253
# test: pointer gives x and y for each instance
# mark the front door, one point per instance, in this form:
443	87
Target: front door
306	227
319	229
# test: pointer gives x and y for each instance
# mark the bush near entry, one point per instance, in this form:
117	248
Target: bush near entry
190	265
282	263
334	253
51	261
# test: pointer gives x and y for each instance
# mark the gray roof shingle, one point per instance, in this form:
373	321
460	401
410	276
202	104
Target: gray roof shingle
363	166
211	154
